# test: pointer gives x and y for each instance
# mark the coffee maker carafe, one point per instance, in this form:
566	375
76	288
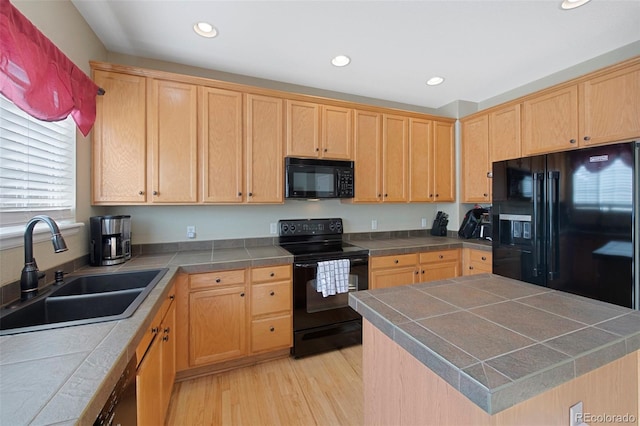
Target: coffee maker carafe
110	240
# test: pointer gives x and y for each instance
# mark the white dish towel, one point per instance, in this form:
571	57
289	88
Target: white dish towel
333	277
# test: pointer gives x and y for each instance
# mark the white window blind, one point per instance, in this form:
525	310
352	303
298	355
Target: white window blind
37	166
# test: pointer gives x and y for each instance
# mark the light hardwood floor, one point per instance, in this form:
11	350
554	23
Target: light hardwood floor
324	389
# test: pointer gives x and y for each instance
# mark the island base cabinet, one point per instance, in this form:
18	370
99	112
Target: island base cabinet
400	390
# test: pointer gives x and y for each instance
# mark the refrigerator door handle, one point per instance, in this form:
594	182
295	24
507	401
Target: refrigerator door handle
538	181
553	240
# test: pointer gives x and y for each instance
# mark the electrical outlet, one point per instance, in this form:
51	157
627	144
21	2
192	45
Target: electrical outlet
191	231
576	415
423	222
273	228
374	224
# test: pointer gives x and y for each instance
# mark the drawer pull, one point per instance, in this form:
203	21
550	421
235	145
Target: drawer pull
441	257
172	297
272	329
167	330
484	258
273	293
165	338
155	330
417	272
396	261
242	294
273	274
423	271
218	280
470	267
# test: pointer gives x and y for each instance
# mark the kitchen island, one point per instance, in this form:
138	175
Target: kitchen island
489	350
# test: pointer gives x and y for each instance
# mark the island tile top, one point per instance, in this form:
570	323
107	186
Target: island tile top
500	341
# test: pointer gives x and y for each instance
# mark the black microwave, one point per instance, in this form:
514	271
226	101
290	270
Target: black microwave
307	178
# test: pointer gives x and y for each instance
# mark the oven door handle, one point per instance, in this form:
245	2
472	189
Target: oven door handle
352	262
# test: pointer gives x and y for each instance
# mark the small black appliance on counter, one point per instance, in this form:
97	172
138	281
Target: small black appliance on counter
110	240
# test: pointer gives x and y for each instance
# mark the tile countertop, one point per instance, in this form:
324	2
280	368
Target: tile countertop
65	375
500	341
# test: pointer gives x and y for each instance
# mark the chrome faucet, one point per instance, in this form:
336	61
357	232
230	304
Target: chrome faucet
30	274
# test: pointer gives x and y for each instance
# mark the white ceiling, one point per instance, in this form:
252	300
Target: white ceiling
483	48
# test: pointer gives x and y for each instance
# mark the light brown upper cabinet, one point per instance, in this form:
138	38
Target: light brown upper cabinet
222	156
610	107
315	130
120	140
505	133
172	131
550	121
240	163
444	157
421	165
367	152
475	181
395	139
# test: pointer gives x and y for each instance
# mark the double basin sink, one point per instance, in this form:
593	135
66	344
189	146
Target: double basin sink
83	299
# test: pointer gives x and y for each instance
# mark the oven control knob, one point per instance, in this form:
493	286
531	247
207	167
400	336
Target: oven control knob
285	227
338	226
292	228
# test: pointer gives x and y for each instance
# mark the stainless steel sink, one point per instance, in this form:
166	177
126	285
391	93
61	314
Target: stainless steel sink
83	299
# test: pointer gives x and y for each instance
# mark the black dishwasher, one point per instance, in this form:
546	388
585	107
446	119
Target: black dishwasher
120	409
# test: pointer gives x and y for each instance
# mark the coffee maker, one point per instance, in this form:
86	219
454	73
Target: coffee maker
110	240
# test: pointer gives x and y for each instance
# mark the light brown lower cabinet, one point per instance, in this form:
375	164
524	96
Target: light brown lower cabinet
476	262
228	318
156	370
395	270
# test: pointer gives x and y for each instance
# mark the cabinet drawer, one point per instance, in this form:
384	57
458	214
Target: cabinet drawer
439	256
393	261
481	257
271	297
271	333
271	273
216	279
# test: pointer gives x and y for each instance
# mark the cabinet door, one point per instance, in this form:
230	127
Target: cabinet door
264	146
217	325
394	158
439	271
172	119
392	277
336	132
271	333
119	171
550	122
168	356
303	129
221	164
476	185
504	134
444	162
610	107
476	262
367	150
420	160
149	386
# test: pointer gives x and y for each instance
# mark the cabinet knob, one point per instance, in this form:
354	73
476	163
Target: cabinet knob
167	330
484	258
273	293
172	297
430	195
165	338
273	274
572	141
218	280
417	272
242	294
396	261
441	257
587	138
386	195
239	194
470	267
317	149
155	192
251	194
485	194
490	175
272	329
437	195
379	195
155	330
325	150
140	192
422	271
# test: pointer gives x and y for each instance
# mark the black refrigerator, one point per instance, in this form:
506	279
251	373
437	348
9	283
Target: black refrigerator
569	221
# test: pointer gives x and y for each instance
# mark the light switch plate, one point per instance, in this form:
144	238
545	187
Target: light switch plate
273	228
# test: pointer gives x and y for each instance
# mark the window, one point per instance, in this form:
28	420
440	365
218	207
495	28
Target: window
612	190
37	167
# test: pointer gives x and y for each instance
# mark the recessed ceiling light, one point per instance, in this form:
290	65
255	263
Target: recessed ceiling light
572	4
434	81
205	29
341	61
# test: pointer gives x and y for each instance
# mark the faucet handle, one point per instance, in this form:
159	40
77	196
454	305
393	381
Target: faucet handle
59	277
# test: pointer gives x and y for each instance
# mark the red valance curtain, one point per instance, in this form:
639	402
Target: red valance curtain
37	77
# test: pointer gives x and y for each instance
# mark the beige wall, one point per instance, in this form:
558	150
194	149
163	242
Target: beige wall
63	25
